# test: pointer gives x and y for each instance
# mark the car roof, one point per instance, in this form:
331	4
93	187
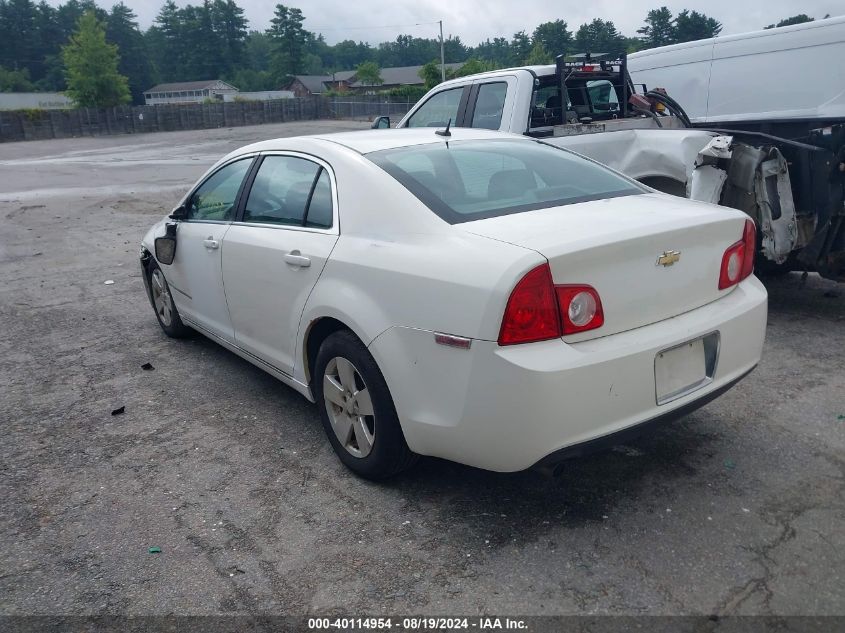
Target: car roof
366	141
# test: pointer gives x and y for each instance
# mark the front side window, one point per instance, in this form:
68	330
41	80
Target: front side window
473	180
438	110
290	191
489	105
215	199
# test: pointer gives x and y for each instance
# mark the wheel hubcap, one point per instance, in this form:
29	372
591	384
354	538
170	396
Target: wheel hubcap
349	407
161	298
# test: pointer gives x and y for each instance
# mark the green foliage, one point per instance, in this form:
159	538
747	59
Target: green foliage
209	39
15	80
801	18
538	56
520	48
122	31
430	72
412	93
34	115
554	37
91	67
369	74
659	28
472	66
600	36
289	41
249	80
692	25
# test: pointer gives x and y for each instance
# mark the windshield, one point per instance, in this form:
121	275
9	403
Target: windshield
462	181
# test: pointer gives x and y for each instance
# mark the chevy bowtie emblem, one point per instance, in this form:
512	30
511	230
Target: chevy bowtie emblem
668	258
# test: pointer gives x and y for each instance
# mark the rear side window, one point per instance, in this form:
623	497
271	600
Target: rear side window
489	105
280	191
438	110
472	180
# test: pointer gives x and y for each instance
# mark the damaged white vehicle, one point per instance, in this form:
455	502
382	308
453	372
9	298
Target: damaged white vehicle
733	154
476	296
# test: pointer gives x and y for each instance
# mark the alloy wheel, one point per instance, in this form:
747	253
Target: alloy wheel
349	406
161	298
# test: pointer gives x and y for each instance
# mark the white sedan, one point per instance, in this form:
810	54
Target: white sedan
475	296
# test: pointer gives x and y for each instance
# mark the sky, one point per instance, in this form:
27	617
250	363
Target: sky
377	21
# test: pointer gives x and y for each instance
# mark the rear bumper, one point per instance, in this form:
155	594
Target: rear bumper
549	463
508	408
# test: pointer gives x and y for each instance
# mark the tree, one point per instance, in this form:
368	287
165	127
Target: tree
91	67
369	74
801	18
659	29
538	56
692	25
555	37
17	25
122	31
520	47
430	74
165	40
472	66
15	80
289	39
497	51
600	36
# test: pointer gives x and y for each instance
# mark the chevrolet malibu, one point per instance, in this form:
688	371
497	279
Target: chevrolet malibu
475	296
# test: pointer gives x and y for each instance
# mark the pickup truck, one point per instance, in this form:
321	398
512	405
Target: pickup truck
793	189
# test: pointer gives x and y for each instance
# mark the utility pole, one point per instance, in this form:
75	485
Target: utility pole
442	55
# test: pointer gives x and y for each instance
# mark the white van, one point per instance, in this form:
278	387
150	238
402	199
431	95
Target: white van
793	73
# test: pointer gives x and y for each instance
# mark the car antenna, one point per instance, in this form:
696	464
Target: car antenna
445	132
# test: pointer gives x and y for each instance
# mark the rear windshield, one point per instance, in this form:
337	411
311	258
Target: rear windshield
462	181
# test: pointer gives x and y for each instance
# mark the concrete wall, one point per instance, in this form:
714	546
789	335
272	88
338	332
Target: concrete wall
36	125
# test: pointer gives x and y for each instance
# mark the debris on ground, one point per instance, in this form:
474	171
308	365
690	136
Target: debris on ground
147	367
729	463
119	411
154	550
108	282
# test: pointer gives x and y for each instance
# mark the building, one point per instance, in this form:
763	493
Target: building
264	95
307	85
188	92
34	101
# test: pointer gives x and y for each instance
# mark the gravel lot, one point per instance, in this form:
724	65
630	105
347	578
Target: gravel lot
737	509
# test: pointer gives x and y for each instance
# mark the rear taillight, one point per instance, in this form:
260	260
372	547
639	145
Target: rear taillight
532	312
580	308
738	260
538	310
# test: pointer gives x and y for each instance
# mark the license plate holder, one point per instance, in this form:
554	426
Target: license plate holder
685	368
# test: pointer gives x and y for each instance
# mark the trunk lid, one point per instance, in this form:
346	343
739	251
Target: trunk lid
614	245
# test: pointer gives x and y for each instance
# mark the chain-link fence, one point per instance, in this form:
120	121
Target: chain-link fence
366	107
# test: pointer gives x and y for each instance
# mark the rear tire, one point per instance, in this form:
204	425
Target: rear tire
163	306
357	411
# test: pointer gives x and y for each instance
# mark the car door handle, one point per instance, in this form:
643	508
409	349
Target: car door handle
210	243
295	258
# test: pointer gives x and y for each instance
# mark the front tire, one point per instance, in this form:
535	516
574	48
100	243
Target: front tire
357	411
166	312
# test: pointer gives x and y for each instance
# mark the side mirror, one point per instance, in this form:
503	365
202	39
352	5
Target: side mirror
381	123
179	213
165	246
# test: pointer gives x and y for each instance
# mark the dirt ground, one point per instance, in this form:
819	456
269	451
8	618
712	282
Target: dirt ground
737	509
